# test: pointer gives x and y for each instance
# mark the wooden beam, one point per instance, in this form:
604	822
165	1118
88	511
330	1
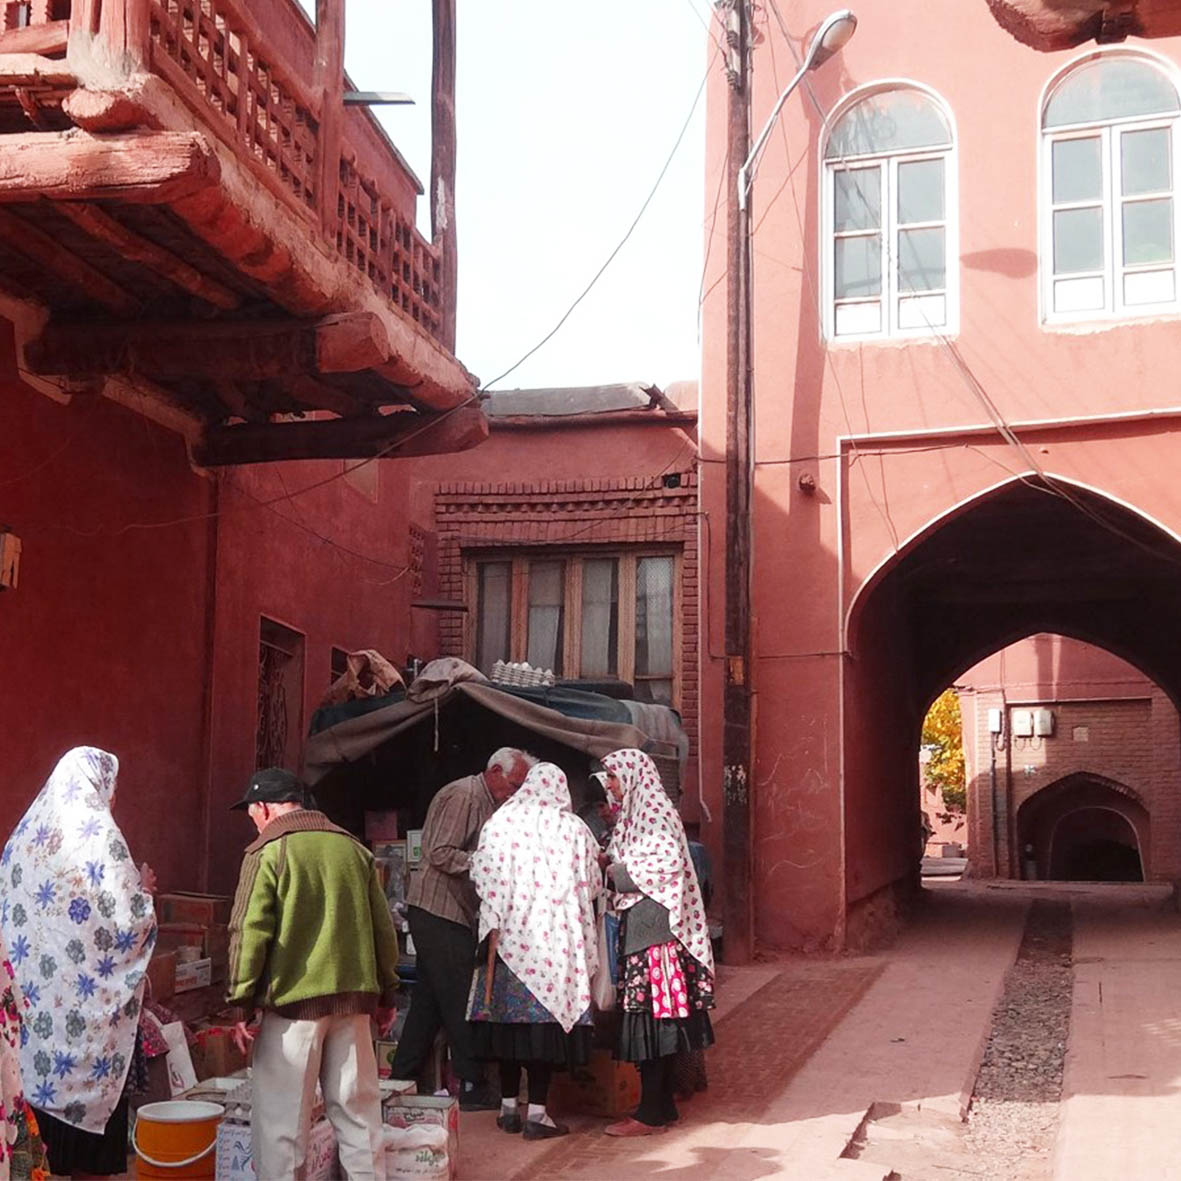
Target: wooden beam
106	110
238	350
392	435
149	167
45	39
320	395
31	69
442	195
329	82
132	246
41	248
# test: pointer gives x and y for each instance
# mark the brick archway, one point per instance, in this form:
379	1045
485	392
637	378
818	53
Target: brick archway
1029	555
1041	818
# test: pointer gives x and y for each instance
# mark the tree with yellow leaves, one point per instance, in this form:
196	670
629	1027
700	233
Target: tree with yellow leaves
943	739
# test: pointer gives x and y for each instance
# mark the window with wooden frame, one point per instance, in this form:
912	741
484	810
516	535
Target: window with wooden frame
592	615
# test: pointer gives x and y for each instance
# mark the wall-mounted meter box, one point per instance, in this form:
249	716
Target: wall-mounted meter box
1043	722
1023	723
995	721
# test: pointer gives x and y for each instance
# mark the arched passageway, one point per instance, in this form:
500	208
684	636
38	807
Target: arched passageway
1030	556
1095	845
1084	828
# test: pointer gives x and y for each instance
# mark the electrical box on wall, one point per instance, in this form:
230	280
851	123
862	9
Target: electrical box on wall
10	559
996	723
1022	723
1043	723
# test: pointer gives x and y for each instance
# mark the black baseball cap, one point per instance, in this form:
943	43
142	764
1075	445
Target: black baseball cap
273	785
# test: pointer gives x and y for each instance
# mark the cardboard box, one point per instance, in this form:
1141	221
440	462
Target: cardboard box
235	1157
162	976
198	1003
602	1087
197	974
217	948
381	826
409	1111
414	846
198	909
214	1053
385	1058
170	936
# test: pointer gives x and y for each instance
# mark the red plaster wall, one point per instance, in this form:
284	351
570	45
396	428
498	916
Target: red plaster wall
145	640
817	558
103	642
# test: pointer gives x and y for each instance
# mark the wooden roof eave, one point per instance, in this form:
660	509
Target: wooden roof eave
1049	25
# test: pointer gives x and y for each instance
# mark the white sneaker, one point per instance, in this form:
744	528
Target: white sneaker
403	1086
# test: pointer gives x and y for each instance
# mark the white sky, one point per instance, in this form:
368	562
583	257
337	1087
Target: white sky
566	114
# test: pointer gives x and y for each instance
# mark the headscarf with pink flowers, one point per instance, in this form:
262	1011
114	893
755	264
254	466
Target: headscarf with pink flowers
649	839
537	873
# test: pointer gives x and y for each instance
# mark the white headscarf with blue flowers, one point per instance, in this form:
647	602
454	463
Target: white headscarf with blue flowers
80	929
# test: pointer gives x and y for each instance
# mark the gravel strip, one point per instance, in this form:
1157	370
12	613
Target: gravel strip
1013	1117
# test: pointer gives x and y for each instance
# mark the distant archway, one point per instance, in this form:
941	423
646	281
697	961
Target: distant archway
1085	828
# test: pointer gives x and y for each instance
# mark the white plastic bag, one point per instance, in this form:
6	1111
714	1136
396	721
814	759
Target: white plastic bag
419	1151
181	1075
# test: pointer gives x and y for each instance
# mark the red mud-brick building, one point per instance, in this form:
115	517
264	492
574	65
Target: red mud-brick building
964	311
1071	758
213	303
571	537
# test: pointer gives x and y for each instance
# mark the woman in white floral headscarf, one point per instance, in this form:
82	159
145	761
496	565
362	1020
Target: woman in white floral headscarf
79	924
537	873
666	962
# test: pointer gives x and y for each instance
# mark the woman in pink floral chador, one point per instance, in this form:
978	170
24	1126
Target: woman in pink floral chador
666	961
22	1154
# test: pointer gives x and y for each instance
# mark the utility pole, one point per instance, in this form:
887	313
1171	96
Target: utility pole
736	725
442	196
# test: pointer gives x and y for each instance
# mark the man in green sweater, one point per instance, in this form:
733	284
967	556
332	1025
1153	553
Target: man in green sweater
313	947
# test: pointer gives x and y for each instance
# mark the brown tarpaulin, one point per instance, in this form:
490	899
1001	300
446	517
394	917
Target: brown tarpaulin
352	740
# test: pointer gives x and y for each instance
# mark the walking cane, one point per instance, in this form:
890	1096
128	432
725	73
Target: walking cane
493	941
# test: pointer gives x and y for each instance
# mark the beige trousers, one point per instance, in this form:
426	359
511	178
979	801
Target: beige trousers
290	1057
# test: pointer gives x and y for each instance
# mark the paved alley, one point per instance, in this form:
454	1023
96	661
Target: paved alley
808	1047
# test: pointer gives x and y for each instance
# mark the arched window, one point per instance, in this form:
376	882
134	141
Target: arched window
890	220
1109	218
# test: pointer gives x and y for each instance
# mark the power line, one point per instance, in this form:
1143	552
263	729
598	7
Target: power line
622	242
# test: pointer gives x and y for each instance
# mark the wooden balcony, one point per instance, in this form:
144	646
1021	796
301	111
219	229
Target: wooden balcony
188	201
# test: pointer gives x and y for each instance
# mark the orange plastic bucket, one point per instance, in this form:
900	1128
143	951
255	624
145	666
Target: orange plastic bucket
177	1138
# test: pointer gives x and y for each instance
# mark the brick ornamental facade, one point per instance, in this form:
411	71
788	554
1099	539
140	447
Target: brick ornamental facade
476	518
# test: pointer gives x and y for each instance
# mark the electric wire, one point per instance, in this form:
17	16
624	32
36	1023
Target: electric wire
623	241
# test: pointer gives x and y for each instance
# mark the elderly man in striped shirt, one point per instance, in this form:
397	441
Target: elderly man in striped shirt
443	909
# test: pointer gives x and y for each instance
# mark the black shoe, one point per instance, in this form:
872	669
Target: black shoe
509	1123
536	1130
478	1098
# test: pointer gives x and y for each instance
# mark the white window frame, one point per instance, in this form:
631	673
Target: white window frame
889	161
1108	131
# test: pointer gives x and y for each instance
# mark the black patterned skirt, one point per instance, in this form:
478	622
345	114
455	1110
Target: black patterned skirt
643	1036
517	1027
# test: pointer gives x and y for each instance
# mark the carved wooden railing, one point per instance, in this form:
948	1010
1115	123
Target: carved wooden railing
34	26
242	67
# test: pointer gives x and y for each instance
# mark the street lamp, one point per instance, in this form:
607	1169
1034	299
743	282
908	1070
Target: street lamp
737	844
832	36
